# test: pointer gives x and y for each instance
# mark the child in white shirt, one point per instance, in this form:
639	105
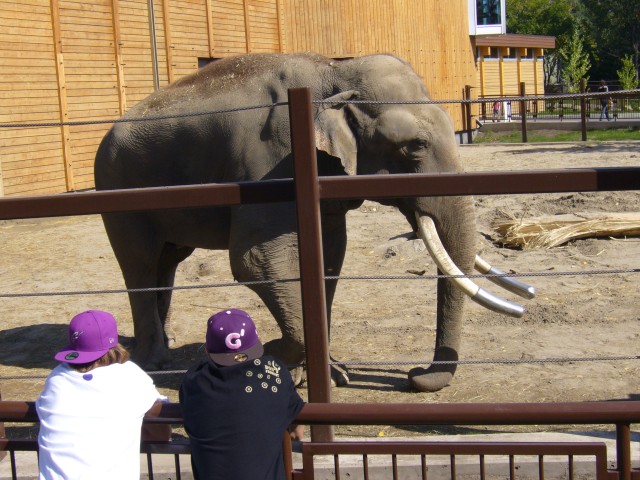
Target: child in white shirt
92	406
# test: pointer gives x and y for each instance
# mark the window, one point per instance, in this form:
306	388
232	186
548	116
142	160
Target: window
488	12
509	53
487	17
203	62
527	54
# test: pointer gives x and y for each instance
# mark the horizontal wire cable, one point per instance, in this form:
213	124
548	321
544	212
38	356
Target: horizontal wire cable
152	118
289	280
490	361
149	118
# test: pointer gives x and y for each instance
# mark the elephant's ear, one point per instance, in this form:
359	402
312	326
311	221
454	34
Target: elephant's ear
332	131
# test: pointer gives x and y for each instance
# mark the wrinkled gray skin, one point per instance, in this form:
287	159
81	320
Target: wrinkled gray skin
254	145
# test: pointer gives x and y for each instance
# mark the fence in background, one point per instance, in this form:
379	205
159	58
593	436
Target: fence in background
622	107
584	107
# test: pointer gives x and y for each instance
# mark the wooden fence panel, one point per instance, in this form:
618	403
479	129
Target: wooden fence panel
229	35
263	25
28	92
189	36
87	34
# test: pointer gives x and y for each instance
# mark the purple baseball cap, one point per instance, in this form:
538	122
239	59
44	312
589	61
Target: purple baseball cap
91	334
232	338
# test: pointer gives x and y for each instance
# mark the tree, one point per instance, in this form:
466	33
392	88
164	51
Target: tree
610	30
575	62
544	17
628	74
541	17
615	29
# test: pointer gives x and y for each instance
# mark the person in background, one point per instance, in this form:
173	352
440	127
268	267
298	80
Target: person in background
496	110
92	406
604	100
237	404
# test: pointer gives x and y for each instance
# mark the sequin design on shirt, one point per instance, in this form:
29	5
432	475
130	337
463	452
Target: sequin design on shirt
263	375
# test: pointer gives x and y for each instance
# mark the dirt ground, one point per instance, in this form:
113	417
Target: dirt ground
381	328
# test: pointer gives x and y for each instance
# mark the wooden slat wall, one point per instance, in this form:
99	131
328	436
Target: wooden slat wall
432	36
91	78
511	81
79	60
491	69
135	44
189	35
497	77
263	21
229	34
31	157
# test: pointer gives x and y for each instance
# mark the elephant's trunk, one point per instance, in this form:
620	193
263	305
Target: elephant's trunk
429	235
455	223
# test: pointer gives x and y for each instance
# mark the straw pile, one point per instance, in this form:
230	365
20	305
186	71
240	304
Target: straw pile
554	230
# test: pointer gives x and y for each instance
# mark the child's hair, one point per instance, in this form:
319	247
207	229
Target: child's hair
117	354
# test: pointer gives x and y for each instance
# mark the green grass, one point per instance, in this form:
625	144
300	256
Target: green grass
536	136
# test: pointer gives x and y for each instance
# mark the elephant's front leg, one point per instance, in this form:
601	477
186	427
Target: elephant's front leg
263	248
271	264
334	246
150	351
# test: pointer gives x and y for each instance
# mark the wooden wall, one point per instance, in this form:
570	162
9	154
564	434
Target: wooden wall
498	76
501	76
86	62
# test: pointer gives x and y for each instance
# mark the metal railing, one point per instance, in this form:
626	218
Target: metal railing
616	416
623	107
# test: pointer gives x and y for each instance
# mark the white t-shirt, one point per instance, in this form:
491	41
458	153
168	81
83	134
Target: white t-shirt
90	422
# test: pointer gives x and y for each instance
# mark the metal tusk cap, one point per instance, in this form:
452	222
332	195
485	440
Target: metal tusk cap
496	304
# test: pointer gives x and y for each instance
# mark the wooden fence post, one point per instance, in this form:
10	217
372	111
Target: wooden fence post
2	434
467	110
314	306
523	112
583	110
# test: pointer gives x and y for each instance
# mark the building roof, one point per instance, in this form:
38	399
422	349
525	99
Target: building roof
515	40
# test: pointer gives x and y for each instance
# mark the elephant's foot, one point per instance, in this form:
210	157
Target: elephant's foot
170	339
292	354
151	359
339	375
298	375
437	376
169	332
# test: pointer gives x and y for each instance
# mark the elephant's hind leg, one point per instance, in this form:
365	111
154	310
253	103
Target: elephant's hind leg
138	250
170	258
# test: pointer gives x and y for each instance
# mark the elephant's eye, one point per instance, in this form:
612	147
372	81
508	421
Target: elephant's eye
413	148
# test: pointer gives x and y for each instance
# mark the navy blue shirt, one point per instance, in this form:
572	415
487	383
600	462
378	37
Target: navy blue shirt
236	416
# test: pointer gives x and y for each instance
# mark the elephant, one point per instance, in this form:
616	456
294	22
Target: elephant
169	139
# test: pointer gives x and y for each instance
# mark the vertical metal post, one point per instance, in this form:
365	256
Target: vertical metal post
467	110
154	46
523	112
314	306
2	434
623	450
583	110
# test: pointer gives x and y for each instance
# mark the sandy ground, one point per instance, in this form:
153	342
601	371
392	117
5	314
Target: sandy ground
381	328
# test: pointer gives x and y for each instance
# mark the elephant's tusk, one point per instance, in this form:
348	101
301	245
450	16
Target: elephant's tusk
429	235
508	283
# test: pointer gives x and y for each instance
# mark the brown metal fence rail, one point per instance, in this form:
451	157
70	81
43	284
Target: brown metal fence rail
307	190
615	415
